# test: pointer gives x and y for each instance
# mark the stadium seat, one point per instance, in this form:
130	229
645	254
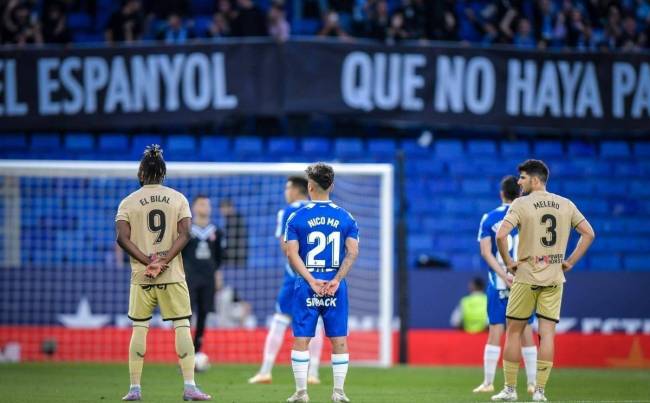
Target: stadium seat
577	187
213	148
637	262
443	185
611	187
305	26
79	22
449	149
45	142
604	262
79	142
316	146
548	149
13	141
113	142
640	188
420	242
581	149
485	148
142	141
248	145
414	150
476	186
181	143
382	148
348	147
642	149
466	262
282	145
614	149
515	149
202	25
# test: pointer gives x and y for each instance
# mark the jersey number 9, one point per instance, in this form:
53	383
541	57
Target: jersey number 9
156	222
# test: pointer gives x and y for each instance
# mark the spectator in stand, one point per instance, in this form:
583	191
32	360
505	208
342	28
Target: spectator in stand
524	37
544	22
414	15
222	20
613	27
331	26
344	9
175	30
443	22
379	20
19	24
631	38
126	24
55	29
396	32
279	28
249	20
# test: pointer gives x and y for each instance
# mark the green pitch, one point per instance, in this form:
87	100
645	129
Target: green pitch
50	382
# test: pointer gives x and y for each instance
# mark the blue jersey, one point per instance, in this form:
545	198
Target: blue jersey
488	228
321	228
283	216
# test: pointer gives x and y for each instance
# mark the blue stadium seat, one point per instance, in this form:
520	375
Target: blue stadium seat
476	186
384	148
443	185
213	148
79	21
465	262
548	149
612	188
13	141
604	262
594	207
638	225
420	242
348	147
316	146
614	149
449	149
113	142
608	225
581	149
414	150
141	141
202	25
181	144
79	141
305	26
642	149
640	188
282	145
485	148
247	145
512	149
637	262
577	187
45	141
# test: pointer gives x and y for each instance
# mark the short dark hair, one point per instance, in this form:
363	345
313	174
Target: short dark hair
535	168
509	187
322	174
478	283
199	197
152	165
299	182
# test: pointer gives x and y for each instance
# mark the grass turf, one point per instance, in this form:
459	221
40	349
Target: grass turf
59	382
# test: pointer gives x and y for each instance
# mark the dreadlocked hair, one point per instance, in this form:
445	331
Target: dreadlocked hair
152	166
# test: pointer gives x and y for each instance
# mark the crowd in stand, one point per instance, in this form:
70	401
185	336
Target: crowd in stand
580	24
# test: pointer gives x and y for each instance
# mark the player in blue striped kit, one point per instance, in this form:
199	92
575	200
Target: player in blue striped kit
295	193
322	245
498	289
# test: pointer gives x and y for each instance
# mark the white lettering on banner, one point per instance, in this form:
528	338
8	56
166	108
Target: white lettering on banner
47	85
611	325
12	106
526	96
384	81
626	82
70	85
461	84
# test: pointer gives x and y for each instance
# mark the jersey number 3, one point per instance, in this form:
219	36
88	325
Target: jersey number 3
156	223
321	241
550	222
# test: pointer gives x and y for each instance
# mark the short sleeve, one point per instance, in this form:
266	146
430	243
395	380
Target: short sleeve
122	212
576	216
279	227
514	214
483	228
184	211
353	230
291	229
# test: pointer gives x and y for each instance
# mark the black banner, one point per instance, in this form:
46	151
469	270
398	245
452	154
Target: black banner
120	87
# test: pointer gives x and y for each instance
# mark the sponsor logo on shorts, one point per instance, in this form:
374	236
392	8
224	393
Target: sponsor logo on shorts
317	301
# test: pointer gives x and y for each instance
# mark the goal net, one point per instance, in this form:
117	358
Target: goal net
64	284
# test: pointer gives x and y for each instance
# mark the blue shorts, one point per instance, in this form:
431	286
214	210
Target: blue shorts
496	306
307	307
284	303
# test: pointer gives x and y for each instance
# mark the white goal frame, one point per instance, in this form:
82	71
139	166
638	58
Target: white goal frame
89	169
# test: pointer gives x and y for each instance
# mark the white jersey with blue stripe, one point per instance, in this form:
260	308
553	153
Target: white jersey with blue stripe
490	223
283	216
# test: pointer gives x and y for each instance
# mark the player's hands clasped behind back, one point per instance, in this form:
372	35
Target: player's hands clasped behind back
156	267
323	288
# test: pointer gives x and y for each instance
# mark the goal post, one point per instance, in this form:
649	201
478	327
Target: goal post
57	245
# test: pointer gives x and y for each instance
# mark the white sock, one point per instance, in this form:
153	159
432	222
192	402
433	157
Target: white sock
300	364
340	369
315	350
490	360
134	387
530	362
273	343
189	383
